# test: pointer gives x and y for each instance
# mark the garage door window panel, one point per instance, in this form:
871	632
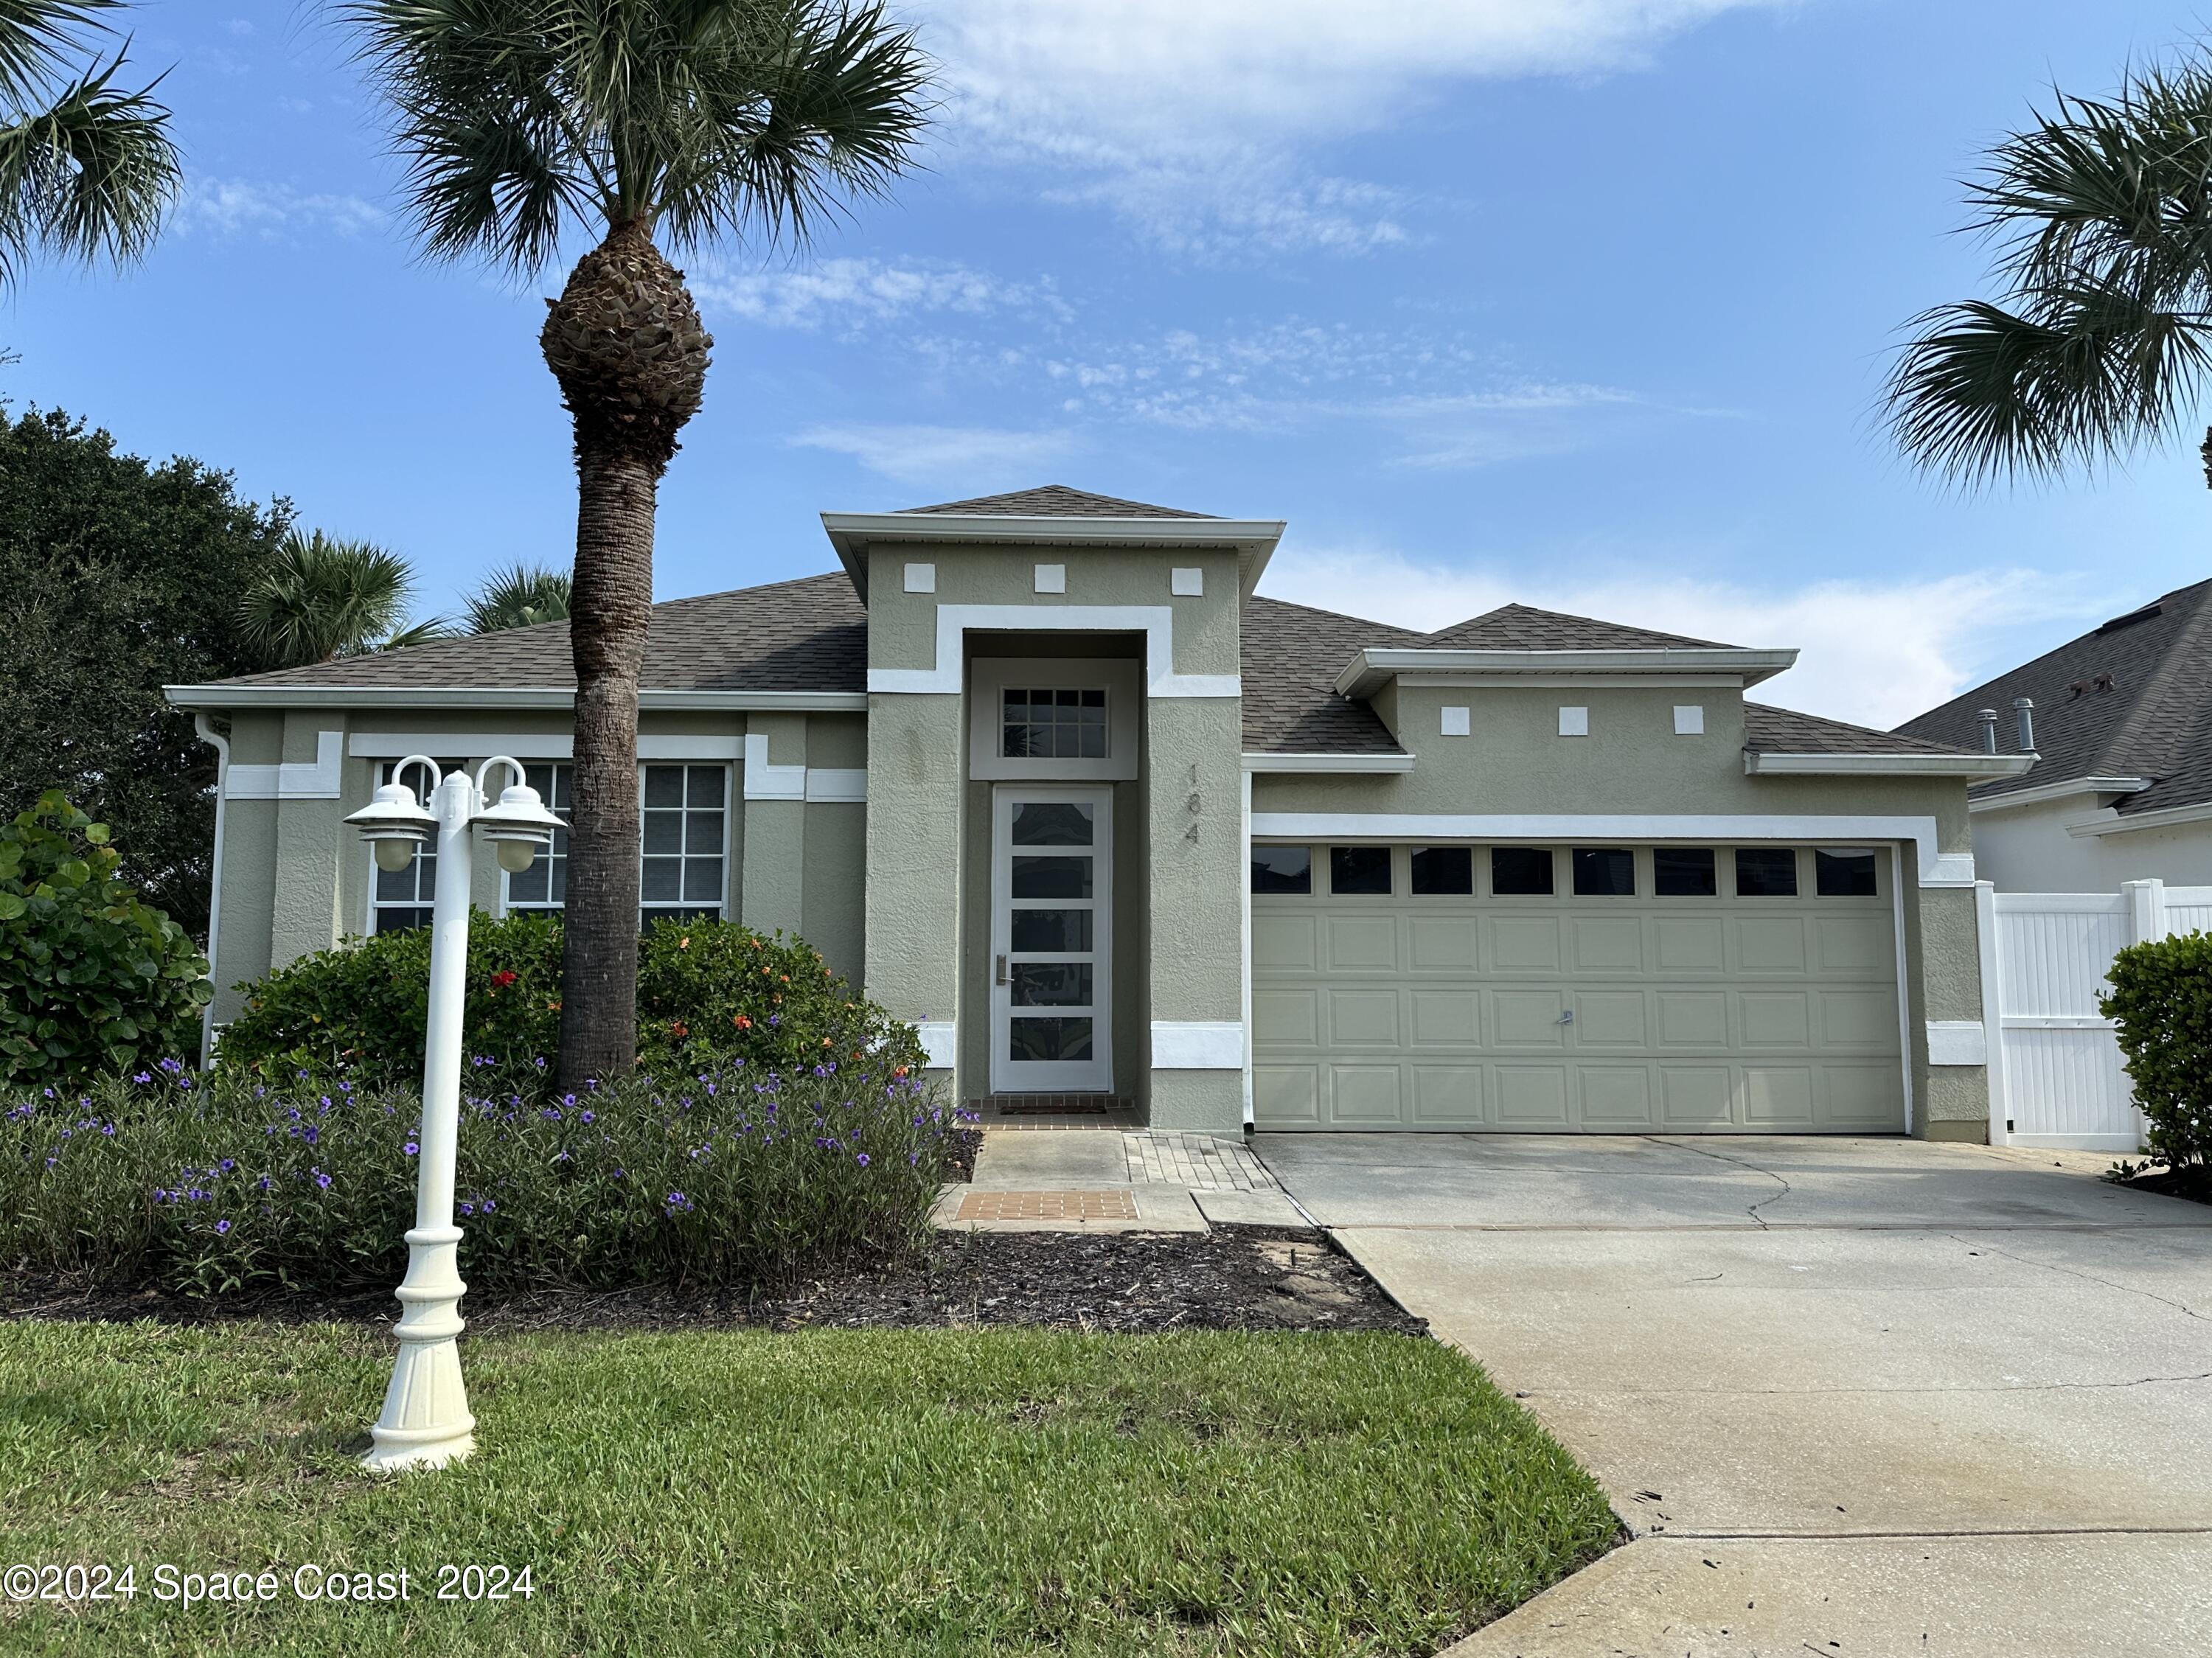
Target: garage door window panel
1521	872
1684	872
1443	872
1360	871
1767	871
1605	872
1845	872
1282	870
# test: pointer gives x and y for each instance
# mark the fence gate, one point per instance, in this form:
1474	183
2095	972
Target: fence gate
2055	1071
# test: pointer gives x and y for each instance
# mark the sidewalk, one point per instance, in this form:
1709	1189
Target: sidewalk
1110	1179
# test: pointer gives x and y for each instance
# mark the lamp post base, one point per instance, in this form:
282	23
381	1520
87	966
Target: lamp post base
425	1422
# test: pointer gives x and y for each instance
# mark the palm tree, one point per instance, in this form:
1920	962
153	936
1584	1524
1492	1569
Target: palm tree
88	170
519	596
320	599
2102	215
696	122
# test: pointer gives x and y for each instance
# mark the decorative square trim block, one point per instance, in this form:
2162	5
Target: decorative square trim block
1574	722
1052	578
940	1042
1689	719
920	578
1187	584
1454	722
1958	1041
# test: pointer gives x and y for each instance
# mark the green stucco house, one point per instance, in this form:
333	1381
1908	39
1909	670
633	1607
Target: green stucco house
1046	774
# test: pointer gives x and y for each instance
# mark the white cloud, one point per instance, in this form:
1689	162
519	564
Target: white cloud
232	207
1187	116
849	294
1872	651
968	460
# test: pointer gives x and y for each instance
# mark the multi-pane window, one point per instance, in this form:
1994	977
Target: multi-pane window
402	898
545	884
1041	724
686	823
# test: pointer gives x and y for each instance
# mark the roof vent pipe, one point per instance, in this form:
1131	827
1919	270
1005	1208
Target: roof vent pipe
1988	718
2023	709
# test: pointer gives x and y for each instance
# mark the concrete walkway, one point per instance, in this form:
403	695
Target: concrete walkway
1852	1396
1108	1180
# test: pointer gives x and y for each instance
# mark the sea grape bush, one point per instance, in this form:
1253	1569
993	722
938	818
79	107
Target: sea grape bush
91	978
222	1183
709	993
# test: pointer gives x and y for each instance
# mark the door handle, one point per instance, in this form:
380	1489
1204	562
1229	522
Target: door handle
1002	970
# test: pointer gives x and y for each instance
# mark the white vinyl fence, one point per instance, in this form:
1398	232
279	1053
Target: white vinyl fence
2055	1071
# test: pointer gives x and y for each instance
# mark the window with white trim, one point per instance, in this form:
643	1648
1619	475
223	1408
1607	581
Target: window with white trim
545	884
686	821
402	898
1054	723
684	834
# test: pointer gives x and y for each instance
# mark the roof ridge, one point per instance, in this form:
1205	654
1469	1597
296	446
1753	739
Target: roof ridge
2139	724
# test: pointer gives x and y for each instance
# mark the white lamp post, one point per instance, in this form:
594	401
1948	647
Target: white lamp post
426	1421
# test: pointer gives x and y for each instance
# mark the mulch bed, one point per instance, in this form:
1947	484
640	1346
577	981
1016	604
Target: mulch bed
1244	1278
2195	1184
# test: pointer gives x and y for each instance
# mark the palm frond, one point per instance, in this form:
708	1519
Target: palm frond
91	176
519	596
519	120
2099	341
321	597
35	38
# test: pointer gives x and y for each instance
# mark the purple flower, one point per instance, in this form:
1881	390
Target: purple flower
588	1118
322	1181
488	1205
862	1160
222	1227
468	1208
410	1148
142	1076
675	1204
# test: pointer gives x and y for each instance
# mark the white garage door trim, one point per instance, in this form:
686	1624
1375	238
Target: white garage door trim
1268	828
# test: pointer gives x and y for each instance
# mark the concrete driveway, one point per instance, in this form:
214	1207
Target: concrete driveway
1852	1396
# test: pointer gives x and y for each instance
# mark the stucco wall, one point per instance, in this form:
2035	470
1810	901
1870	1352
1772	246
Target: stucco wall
2027	850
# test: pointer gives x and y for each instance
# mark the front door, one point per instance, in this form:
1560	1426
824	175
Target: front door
1052	977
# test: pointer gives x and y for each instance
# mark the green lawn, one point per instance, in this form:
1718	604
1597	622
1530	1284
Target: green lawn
846	1493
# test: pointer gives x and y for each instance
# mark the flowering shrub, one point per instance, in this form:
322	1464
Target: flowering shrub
214	1184
91	978
708	993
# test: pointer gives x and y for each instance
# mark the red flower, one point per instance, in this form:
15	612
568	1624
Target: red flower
741	1022
677	1028
501	979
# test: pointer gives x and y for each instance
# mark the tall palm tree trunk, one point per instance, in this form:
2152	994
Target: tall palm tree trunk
626	343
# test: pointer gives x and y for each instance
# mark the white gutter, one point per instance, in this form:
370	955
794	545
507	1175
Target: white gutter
1370	669
2043	792
557	697
1315	764
852	533
2109	822
221	744
1971	767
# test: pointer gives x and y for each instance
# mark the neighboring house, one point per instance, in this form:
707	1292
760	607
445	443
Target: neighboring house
1044	773
2120	724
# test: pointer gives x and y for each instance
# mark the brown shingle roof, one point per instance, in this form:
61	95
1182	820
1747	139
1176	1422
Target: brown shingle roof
1770	730
1524	628
2152	718
811	635
1290	657
1054	501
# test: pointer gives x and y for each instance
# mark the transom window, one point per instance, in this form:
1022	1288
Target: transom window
1061	723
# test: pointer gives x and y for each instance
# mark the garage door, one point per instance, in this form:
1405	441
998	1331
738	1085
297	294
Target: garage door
1549	989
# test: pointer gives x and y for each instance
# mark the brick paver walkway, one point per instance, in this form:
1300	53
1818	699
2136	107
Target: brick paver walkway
1204	1162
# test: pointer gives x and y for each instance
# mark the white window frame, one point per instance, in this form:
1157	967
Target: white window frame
1095	1075
994	675
380	774
731	805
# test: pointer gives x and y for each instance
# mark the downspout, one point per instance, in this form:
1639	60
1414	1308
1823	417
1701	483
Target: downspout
221	744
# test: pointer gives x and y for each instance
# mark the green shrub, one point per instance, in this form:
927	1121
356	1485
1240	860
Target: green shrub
219	1183
708	993
90	979
2161	1000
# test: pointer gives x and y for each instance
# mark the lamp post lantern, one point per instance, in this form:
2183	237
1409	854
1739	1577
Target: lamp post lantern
426	1421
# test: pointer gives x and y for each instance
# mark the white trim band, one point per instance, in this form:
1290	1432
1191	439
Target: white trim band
291	780
1971	767
1198	1044
530	745
819	784
1155	621
1936	868
1321	764
2043	793
513	696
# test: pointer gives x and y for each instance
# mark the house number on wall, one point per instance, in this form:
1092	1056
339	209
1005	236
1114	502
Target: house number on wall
1193	805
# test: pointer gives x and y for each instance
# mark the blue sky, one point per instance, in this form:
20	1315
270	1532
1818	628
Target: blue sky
1580	302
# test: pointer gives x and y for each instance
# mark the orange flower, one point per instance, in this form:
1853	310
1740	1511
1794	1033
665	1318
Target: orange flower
677	1028
899	1071
684	943
552	1007
741	1022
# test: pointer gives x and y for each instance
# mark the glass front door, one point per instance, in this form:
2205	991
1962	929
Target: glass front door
1051	981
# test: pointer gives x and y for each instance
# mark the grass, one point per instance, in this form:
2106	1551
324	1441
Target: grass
853	1493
